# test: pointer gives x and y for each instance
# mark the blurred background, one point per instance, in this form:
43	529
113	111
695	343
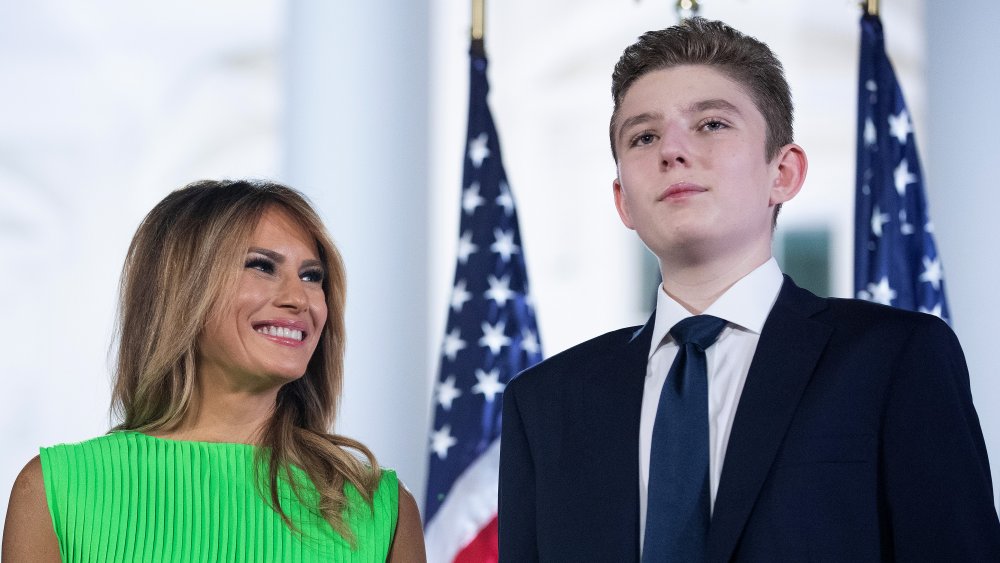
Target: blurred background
106	106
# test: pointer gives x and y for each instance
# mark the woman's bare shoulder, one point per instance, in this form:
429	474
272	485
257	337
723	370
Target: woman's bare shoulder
408	542
28	534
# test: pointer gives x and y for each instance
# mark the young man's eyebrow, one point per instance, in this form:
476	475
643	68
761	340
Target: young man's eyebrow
712	104
636	119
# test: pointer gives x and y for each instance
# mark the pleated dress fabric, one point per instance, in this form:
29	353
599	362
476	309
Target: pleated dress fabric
129	497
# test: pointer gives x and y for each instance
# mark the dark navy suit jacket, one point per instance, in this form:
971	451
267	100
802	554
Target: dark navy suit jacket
855	440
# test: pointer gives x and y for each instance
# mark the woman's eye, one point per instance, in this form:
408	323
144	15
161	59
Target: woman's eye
260	264
312	276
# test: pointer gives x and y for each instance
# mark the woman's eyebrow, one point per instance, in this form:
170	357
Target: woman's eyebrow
280	258
277	257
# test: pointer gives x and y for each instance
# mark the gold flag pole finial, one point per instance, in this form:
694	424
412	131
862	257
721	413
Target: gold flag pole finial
687	9
478	17
478	27
870	7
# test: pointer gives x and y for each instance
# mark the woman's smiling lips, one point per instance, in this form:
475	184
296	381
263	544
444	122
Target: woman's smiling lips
681	189
282	331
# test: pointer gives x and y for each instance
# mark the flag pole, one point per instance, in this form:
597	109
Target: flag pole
490	336
478	27
870	7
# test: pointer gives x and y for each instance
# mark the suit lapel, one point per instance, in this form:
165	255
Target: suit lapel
614	404
789	347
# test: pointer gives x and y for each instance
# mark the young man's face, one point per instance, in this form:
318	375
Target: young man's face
693	180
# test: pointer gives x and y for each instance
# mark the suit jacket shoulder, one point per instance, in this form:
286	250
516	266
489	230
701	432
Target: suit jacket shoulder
582	357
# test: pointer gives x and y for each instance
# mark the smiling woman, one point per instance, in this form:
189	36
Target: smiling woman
267	331
230	368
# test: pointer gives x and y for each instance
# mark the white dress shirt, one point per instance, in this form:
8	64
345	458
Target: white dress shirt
745	306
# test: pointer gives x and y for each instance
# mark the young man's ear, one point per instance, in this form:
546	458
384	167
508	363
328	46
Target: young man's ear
621	204
791	170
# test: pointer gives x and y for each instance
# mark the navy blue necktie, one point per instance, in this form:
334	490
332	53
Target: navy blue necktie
679	511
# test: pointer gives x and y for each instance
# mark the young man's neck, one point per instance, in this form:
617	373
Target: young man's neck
696	285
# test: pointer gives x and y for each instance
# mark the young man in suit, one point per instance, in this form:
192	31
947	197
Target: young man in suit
802	428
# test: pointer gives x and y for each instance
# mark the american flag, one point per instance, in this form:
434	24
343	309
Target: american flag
896	261
491	335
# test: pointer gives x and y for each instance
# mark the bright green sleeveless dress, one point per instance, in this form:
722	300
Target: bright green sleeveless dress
129	497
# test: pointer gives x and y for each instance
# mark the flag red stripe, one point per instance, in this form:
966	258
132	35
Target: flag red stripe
483	548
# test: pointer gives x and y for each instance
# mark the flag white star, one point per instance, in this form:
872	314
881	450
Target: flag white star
499	290
936	311
870	135
442	441
899	126
902	177
452	344
505	200
504	244
459	296
872	88
881	292
878	220
447	392
478	151
471	198
489	384
465	247
932	273
494	337
905	227
529	342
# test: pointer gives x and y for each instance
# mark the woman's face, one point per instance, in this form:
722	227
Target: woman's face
271	326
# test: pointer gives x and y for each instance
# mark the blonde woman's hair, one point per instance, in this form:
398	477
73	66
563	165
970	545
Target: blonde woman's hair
184	263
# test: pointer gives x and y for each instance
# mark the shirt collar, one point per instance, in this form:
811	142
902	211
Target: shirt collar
746	304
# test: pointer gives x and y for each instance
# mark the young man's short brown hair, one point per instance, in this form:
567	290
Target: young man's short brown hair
697	41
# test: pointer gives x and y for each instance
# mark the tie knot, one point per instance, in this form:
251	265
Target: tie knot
700	330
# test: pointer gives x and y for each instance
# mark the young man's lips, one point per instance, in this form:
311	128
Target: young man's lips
681	189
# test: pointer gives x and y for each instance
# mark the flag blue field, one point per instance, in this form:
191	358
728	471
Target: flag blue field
491	335
896	260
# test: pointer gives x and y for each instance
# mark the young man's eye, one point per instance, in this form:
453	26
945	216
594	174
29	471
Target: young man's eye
315	275
713	125
643	139
260	264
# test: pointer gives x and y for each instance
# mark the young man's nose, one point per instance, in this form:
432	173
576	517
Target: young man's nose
673	147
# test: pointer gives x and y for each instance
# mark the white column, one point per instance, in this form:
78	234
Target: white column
356	139
961	160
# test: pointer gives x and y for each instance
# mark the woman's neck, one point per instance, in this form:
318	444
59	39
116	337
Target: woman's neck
220	414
